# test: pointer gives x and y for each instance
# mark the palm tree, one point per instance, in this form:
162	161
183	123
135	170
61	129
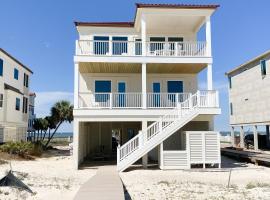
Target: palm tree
62	111
37	127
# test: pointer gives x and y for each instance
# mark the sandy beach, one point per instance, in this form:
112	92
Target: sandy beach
50	177
247	182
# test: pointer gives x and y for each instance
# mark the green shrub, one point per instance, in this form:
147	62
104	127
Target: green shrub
22	149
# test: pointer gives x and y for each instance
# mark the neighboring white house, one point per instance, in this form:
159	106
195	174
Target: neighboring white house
32	115
14	95
249	97
136	86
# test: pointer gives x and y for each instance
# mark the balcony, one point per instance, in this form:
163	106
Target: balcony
135	48
153	100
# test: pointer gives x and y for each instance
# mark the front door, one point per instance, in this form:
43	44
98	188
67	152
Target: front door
121	94
156	93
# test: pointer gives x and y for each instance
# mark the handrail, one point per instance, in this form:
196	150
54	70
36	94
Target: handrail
134	48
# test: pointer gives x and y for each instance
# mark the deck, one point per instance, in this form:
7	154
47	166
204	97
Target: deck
252	156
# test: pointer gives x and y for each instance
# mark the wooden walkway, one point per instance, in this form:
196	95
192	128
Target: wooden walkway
105	185
255	157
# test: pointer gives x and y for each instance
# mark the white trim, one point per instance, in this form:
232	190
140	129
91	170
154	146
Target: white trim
143	59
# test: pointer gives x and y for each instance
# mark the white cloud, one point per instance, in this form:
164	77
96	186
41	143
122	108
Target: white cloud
45	100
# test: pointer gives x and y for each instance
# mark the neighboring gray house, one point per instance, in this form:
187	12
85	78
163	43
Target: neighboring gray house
249	97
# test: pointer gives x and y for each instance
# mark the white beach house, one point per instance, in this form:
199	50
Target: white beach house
249	95
136	86
14	95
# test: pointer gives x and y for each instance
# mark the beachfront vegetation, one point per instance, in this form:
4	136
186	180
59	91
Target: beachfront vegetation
22	149
46	128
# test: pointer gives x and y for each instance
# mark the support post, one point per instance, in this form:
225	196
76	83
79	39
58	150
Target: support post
143	35
111	100
267	136
76	85
209	77
242	144
161	165
118	154
144	95
76	143
208	36
145	157
255	138
232	136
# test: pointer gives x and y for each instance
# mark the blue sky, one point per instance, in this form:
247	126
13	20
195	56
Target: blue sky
41	34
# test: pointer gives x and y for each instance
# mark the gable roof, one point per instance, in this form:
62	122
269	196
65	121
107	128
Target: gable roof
15	60
143	5
248	62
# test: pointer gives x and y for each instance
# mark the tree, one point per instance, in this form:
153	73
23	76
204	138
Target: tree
62	111
37	126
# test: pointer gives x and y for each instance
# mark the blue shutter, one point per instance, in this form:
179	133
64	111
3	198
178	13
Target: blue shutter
1	67
230	82
18	102
231	108
263	67
16	74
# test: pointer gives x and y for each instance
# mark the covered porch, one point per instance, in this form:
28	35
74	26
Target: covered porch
140	86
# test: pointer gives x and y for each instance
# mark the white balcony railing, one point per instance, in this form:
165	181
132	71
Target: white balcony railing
153	100
134	48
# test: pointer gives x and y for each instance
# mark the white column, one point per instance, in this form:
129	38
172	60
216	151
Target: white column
143	35
208	36
255	138
209	77
76	143
145	157
144	96
76	85
242	144
161	165
232	136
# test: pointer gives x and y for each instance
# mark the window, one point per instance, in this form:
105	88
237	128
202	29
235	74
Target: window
157	44
263	67
174	87
1	100
119	45
16	73
231	108
230	82
175	42
18	102
138	46
101	45
1	67
25	105
102	90
25	80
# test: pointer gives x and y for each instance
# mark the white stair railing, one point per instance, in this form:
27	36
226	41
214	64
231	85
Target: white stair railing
198	100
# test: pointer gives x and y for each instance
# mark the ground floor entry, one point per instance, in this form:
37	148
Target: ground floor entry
99	140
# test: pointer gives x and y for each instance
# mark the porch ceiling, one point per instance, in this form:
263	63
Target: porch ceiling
189	68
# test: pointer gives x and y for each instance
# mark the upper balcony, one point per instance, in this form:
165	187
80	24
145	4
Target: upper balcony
159	34
134	48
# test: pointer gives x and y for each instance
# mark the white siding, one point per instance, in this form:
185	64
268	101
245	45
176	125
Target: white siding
15	122
250	94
